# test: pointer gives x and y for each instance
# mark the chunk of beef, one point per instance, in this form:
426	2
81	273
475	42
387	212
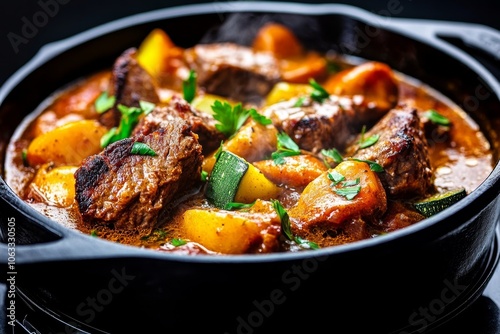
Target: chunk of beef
313	125
134	192
402	151
130	83
234	71
202	124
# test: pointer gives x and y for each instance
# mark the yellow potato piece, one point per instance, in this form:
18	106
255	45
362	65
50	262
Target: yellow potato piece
68	144
56	186
284	91
231	232
254	185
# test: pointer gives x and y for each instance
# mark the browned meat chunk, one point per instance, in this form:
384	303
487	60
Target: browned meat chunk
402	151
134	192
397	216
130	83
315	126
234	71
201	123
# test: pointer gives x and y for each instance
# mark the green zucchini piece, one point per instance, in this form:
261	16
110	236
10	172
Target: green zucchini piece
436	203
225	179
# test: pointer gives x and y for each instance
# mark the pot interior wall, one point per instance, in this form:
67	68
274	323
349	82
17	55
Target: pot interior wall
201	298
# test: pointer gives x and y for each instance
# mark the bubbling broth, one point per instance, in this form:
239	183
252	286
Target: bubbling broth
224	149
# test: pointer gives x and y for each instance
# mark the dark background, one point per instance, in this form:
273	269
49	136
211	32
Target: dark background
68	17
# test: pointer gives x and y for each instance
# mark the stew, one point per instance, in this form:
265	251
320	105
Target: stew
223	148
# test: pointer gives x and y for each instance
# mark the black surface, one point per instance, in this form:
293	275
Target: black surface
483	317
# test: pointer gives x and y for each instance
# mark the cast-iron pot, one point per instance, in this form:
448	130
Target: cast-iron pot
410	280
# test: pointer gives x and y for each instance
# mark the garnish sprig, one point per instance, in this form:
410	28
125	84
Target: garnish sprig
130	118
319	94
286	229
286	147
437	118
231	119
189	86
367	142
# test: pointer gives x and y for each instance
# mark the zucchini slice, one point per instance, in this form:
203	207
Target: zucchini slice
233	179
436	203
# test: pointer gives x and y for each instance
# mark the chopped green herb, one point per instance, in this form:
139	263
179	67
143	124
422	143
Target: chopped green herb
351	183
178	242
286	229
334	154
94	233
219	151
142	149
237	206
230	118
373	165
284	218
319	94
306	243
300	102
189	86
104	102
367	142
261	119
204	176
335	177
147	107
129	119
437	118
348	192
24	156
286	147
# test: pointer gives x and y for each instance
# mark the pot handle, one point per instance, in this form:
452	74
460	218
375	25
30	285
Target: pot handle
477	36
18	246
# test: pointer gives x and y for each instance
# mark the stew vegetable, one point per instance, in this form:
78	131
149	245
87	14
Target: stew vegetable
228	149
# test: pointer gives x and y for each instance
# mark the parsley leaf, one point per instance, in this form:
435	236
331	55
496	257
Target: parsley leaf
348	192
335	177
300	102
230	118
130	118
147	107
237	206
286	148
373	165
178	242
261	119
367	142
142	149
104	102
319	94
189	86
286	229
437	118
333	154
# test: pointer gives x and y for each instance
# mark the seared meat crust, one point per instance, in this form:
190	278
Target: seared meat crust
402	151
131	191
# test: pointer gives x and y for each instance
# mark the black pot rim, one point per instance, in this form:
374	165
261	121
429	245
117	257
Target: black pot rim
453	217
